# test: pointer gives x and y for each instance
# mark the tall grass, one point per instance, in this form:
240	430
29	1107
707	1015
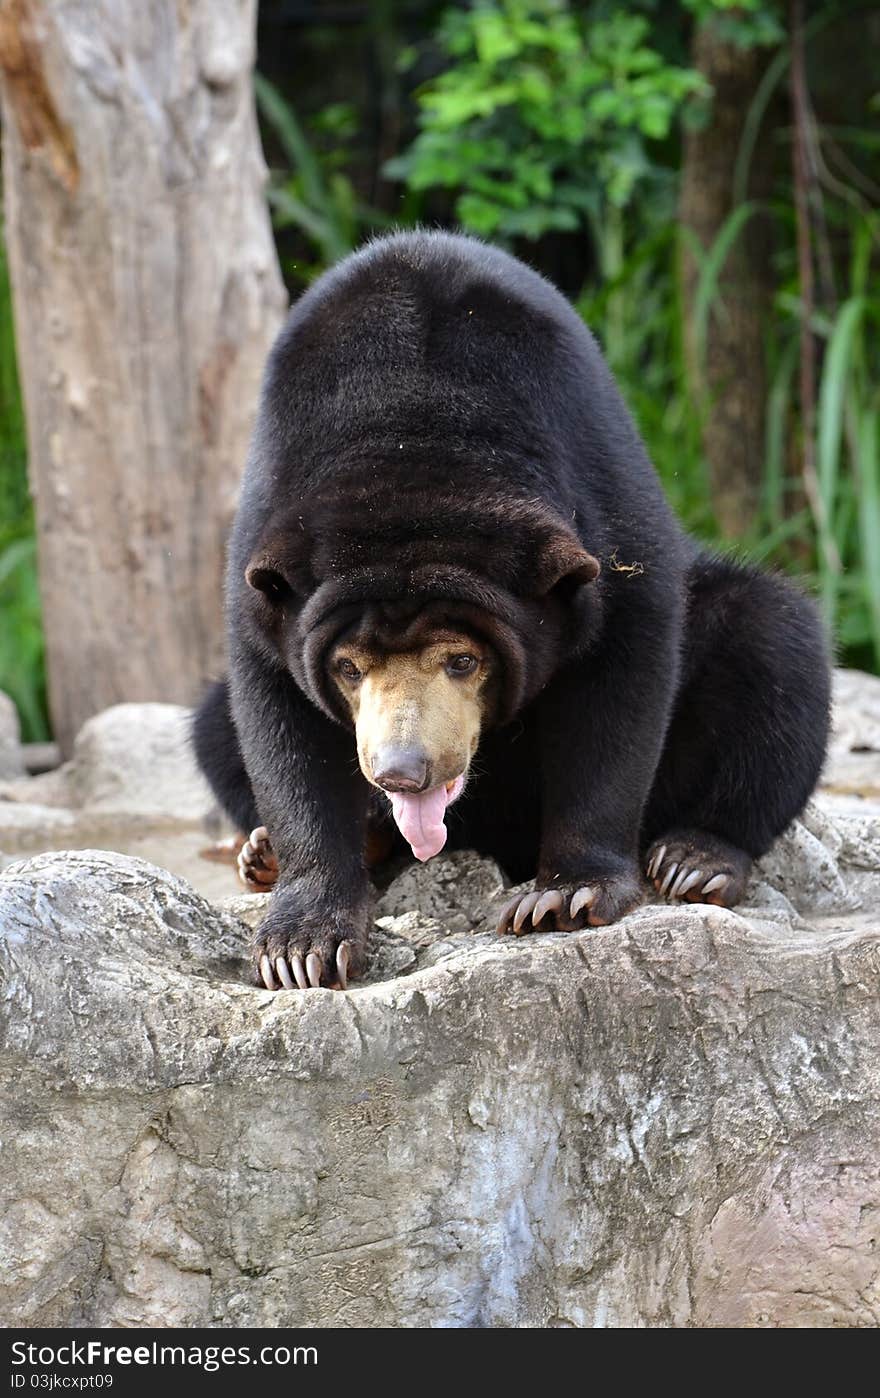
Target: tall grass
22	662
848	465
646	352
835	548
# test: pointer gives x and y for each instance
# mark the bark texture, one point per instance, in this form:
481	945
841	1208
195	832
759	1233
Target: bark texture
146	292
728	374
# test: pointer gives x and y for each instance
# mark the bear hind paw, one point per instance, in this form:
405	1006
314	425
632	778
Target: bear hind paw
257	862
696	867
594	902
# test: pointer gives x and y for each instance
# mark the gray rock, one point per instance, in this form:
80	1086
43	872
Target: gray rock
136	759
131	763
805	871
853	765
249	908
28	829
452	889
41	757
11	757
674	1121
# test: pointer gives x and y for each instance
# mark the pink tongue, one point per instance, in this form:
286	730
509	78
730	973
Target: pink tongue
419	818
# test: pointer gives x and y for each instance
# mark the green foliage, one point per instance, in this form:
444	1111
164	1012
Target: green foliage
22	673
543	117
847	523
834	542
315	195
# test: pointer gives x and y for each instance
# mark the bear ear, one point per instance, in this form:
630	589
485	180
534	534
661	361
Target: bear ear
564	559
264	575
279	572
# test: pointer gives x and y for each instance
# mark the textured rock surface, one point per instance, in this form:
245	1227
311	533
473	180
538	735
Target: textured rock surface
11	759
853	764
136	759
674	1121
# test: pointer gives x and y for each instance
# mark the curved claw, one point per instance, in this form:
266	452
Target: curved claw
266	972
670	875
685	882
314	969
715	884
550	902
343	957
282	971
523	911
506	914
654	866
581	898
258	835
299	971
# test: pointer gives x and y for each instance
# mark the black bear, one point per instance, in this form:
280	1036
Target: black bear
459	607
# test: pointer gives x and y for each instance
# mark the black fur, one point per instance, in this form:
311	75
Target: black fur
438	429
219	755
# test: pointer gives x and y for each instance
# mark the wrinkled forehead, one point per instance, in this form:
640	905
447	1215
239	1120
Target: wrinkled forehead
379	632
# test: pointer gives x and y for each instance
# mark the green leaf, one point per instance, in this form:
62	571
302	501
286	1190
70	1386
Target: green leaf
869	515
494	39
832	395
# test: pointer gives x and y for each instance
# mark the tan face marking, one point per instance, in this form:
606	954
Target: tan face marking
419	711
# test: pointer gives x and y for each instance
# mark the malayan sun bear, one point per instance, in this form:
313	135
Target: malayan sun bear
461	613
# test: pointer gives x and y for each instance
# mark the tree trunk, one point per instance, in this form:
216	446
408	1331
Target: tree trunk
146	292
728	374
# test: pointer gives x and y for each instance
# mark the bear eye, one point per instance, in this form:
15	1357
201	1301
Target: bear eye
463	664
349	671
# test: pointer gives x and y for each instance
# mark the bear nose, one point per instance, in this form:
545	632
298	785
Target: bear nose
400	769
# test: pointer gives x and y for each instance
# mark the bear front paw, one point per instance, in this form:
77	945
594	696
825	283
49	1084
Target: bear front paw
292	954
566	908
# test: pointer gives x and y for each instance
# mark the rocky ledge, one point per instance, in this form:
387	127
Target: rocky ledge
674	1121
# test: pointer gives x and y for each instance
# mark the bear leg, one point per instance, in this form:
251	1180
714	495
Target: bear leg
219	756
748	734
